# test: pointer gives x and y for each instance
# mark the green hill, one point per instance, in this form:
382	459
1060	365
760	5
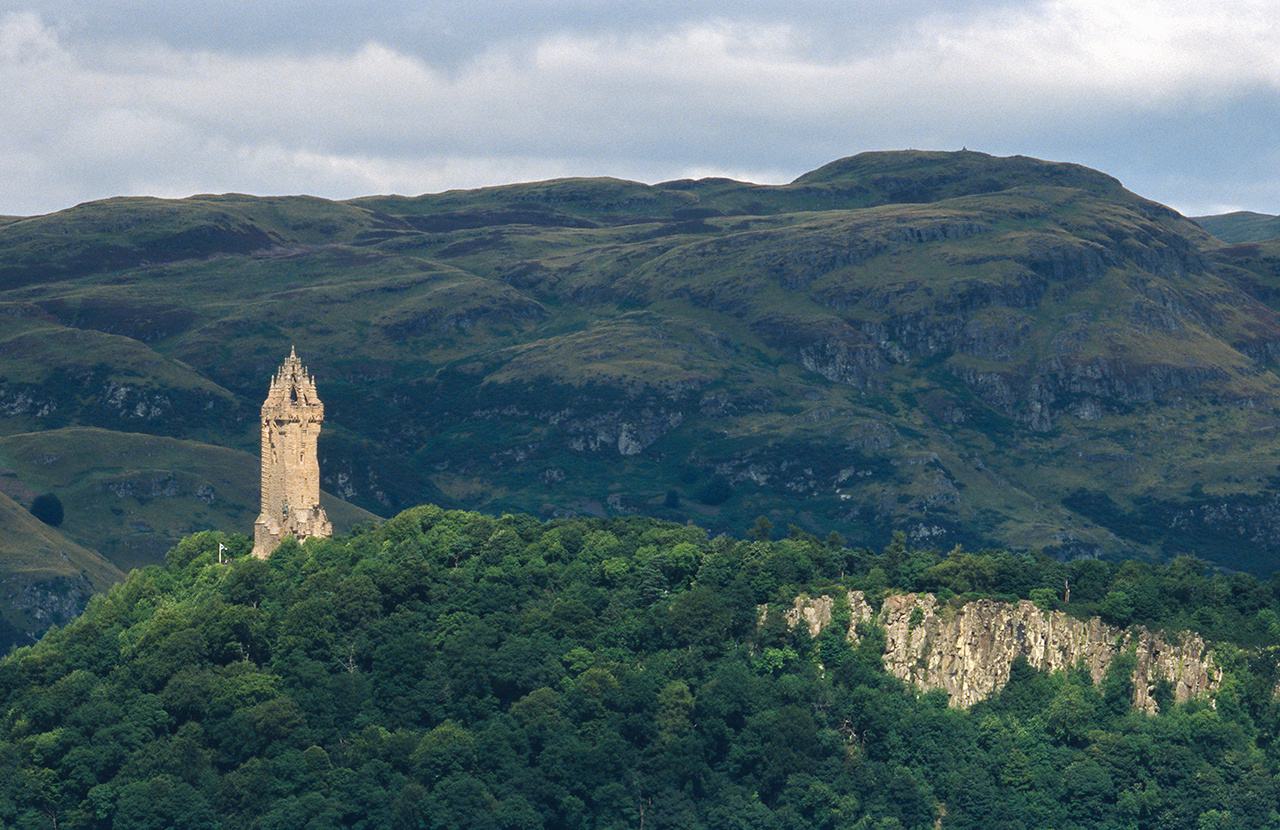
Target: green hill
134	496
1241	226
968	349
47	577
456	670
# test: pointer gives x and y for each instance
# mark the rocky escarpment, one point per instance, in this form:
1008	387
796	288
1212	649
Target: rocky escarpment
1001	313
968	650
88	396
35	604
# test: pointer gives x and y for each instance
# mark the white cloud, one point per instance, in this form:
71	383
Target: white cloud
1138	51
757	95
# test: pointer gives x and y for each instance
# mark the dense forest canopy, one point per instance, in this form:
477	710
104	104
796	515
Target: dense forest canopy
449	669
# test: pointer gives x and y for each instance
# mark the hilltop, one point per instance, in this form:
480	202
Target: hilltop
1241	226
449	669
970	349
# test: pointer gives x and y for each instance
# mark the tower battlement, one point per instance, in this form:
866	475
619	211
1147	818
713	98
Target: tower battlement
291	417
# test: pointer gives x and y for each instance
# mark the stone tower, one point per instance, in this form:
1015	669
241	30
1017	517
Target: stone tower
291	417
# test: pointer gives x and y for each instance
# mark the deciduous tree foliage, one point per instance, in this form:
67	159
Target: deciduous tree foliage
47	508
453	670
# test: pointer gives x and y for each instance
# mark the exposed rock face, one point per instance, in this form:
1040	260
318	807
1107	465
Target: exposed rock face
40	603
51	601
968	651
629	429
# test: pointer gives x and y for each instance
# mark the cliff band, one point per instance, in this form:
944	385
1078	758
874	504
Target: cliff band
968	650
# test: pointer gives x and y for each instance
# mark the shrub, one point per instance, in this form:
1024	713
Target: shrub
716	491
47	508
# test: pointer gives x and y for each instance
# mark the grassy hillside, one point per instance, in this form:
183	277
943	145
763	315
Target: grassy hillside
133	496
1241	226
35	550
969	349
47	578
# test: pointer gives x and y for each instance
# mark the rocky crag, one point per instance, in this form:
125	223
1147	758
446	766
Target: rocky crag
967	651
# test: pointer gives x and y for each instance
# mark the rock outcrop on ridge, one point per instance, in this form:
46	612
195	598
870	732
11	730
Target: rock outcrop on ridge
967	651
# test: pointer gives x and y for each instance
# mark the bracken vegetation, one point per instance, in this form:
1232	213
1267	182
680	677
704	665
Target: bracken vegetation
454	670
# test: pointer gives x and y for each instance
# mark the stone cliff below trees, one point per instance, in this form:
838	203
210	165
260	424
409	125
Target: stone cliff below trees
968	650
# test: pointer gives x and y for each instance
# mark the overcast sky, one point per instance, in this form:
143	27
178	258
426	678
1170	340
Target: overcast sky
337	98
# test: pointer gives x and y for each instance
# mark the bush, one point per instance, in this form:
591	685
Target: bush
1045	598
47	508
716	491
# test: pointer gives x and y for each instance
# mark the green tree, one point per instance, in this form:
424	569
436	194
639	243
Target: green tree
716	491
443	751
47	508
1117	684
162	803
762	530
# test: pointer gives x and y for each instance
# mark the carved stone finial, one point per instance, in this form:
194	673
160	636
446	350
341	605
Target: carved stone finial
291	417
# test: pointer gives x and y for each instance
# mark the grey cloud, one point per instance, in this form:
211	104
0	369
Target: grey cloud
448	32
340	99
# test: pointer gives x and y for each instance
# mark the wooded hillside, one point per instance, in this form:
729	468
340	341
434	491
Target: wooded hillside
453	670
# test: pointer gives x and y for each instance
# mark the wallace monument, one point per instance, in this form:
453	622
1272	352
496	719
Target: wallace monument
291	417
